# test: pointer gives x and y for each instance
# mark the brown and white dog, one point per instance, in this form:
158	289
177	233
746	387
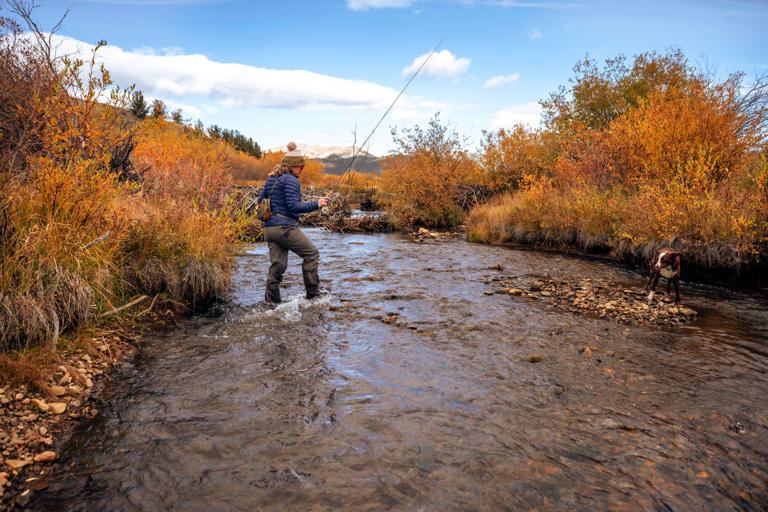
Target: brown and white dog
665	263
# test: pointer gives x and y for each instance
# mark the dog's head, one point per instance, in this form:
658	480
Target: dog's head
664	258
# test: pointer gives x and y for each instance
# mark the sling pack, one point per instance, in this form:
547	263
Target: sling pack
264	210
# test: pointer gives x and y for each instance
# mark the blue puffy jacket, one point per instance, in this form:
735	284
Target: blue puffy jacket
285	200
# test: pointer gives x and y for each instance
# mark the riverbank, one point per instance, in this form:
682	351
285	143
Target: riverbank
620	230
715	264
61	391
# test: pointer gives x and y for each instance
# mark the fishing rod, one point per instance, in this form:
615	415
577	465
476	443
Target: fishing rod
357	152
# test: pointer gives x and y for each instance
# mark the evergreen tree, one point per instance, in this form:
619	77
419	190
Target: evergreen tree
139	106
176	116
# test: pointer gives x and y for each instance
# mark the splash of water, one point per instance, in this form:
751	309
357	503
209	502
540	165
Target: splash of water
291	311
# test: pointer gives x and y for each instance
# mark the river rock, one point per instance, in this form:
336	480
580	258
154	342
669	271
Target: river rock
17	464
58	390
686	311
534	358
47	456
3	481
57	407
515	291
40	404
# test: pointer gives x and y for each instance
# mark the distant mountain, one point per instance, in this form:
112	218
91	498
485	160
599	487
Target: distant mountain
336	164
321	152
336	159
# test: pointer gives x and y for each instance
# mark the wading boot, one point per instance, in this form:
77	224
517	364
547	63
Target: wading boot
272	295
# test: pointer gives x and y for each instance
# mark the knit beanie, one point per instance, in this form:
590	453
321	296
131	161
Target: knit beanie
294	157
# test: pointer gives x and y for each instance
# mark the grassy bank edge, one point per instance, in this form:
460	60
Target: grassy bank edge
704	262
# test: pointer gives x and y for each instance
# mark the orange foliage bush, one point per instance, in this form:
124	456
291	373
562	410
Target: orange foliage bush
420	183
77	235
641	153
506	156
182	164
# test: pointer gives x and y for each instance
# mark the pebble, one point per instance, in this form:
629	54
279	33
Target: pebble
58	390
40	404
16	464
47	456
534	358
58	407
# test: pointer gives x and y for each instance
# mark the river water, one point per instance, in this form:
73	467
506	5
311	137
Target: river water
322	406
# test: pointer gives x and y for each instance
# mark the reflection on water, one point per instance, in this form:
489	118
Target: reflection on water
322	406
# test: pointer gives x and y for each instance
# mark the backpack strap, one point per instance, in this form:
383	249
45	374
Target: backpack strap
277	180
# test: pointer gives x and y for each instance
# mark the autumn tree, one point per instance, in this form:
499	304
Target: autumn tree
159	110
423	180
598	95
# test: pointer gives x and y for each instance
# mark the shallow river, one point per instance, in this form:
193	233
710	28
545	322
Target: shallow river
323	406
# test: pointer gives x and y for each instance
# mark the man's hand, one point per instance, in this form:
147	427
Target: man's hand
322	201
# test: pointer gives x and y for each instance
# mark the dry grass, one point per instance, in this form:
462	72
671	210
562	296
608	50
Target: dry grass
624	226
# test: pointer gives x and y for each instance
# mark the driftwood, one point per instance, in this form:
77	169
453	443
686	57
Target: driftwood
150	306
126	306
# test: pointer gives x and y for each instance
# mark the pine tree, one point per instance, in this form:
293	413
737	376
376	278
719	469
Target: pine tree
139	106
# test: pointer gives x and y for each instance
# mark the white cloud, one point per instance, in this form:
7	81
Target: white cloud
364	5
498	82
523	113
534	34
174	75
442	65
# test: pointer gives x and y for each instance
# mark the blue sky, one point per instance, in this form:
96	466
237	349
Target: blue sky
313	71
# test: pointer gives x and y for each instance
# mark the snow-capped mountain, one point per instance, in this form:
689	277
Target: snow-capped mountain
320	152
